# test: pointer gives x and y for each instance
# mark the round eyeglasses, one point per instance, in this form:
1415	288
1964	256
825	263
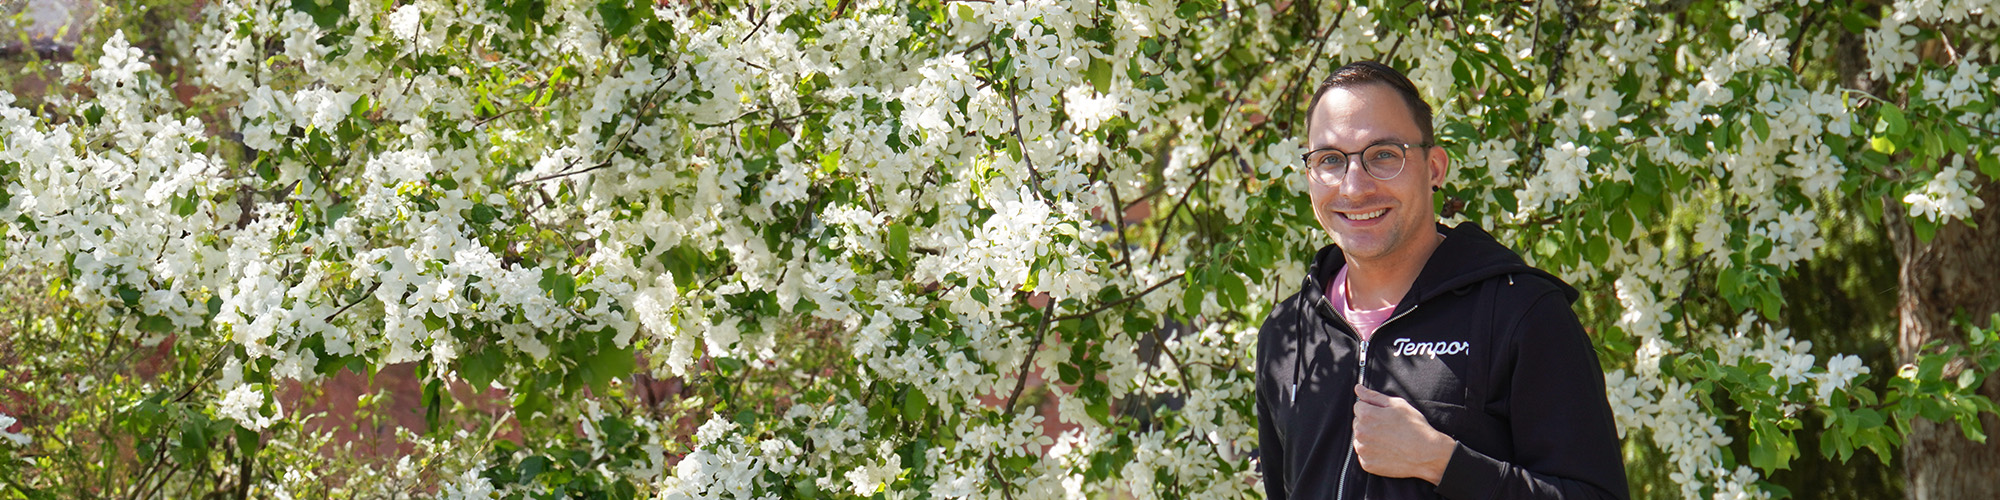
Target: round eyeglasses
1382	161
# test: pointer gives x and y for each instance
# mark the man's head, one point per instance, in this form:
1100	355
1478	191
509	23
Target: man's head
1374	113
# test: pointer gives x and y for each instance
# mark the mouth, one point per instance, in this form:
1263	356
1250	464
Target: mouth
1363	216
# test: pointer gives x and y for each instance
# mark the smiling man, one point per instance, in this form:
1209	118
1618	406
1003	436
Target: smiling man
1419	360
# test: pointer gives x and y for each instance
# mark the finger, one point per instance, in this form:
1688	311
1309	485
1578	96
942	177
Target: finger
1369	396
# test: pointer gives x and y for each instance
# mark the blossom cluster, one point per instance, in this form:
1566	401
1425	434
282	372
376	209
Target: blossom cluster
970	249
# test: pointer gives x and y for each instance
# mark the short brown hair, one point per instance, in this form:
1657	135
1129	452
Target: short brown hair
1365	72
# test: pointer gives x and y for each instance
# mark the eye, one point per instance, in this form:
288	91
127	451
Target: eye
1327	159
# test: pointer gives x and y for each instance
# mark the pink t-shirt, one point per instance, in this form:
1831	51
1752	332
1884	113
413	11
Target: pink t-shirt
1365	321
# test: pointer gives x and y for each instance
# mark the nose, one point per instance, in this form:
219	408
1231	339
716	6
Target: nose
1356	180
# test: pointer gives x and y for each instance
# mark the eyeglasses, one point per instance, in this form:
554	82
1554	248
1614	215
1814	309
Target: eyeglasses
1382	161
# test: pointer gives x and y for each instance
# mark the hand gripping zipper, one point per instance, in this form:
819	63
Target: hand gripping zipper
1361	377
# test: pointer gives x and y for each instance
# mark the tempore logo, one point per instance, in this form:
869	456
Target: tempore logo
1404	347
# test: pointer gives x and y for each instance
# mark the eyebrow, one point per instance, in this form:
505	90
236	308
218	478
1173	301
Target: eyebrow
1377	142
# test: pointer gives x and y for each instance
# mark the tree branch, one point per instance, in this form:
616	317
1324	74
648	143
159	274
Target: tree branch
1028	361
371	290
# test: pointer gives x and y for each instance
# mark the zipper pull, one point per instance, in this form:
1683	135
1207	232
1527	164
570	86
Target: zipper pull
1364	354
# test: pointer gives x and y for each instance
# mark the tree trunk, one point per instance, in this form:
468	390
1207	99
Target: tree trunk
1955	271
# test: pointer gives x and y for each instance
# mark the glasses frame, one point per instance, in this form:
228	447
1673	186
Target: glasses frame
1347	160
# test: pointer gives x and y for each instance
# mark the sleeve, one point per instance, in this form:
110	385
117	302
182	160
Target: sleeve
1270	448
1270	453
1565	442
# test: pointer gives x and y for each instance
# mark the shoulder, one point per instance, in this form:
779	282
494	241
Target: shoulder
1285	317
1534	307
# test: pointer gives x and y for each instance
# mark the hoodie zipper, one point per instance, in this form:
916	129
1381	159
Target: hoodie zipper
1361	379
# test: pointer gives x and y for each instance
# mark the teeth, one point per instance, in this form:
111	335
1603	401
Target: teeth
1367	216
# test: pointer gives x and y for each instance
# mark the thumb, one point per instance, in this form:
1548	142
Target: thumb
1371	397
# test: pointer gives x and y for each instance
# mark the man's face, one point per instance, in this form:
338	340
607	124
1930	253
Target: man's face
1372	219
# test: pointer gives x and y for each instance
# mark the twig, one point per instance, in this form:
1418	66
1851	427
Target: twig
1186	381
611	152
371	290
1945	40
1116	303
1200	176
760	23
1013	104
1118	219
243	478
1028	361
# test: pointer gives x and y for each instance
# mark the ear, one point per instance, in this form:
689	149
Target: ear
1439	162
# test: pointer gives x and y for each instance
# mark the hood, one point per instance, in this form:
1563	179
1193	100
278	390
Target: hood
1467	256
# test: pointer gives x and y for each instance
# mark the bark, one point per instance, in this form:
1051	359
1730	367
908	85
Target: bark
1955	271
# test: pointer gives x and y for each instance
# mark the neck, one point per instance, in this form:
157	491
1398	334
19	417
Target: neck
1378	282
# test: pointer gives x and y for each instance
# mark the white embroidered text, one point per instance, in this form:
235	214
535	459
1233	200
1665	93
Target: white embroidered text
1404	347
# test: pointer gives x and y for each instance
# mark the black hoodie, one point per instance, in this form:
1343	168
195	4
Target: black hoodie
1484	346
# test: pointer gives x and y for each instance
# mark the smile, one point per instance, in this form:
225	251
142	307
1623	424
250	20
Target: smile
1364	216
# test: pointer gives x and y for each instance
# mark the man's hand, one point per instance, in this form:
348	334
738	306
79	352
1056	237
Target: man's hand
1391	439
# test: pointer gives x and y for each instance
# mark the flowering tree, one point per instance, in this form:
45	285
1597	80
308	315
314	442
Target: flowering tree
872	241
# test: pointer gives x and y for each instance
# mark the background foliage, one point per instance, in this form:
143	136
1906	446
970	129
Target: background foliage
929	249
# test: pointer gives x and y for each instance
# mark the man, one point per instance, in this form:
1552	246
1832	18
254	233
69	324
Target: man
1419	360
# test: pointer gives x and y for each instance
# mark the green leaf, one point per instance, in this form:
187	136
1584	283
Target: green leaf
1893	117
1924	228
979	294
481	368
434	398
521	14
324	13
1100	75
1019	463
184	205
1191	299
1729	284
559	284
1770	448
915	407
1990	165
1762	126
1598	250
529	403
532	467
1098	409
156	324
1234	289
1882	144
899	242
1621	225
434	323
1969	424
247	441
128	295
482	214
1856	22
729	366
338	210
620	16
607	364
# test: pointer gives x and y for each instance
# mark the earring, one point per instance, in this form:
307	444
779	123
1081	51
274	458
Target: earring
1436	189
